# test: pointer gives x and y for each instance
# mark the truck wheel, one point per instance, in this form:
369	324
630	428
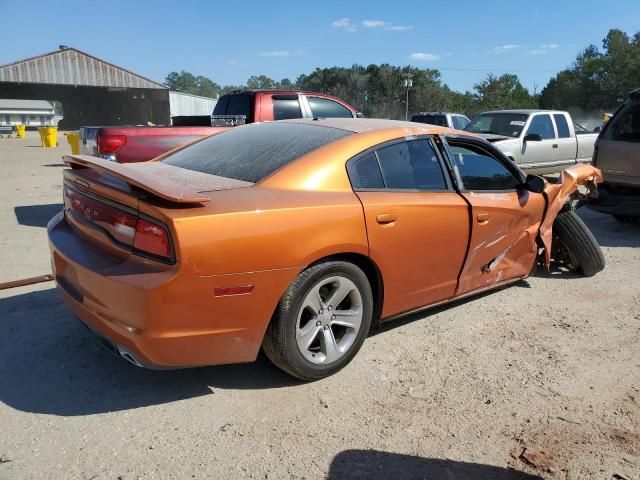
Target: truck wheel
321	321
574	245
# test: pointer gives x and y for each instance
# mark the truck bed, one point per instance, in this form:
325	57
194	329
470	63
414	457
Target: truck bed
138	143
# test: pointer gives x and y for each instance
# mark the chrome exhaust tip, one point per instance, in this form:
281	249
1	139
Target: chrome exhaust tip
128	356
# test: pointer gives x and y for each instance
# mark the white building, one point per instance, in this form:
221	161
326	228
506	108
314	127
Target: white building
32	113
185	104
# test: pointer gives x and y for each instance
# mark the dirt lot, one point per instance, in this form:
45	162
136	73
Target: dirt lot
551	365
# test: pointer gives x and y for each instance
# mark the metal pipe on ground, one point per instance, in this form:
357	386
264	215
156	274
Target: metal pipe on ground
26	281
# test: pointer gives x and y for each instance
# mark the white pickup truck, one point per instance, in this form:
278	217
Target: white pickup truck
539	141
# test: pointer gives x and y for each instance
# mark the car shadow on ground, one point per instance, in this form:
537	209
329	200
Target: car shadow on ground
374	465
610	232
55	165
51	364
36	215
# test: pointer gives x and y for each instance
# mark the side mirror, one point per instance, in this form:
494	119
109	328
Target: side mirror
597	129
532	137
359	115
534	183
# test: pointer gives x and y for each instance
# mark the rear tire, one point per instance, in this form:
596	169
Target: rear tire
574	241
321	321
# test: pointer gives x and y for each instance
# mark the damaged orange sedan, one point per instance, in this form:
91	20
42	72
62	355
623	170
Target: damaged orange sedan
296	236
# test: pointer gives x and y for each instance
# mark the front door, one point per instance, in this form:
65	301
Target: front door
504	217
539	154
417	225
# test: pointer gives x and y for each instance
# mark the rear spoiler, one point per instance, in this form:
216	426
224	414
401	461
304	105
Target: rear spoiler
139	178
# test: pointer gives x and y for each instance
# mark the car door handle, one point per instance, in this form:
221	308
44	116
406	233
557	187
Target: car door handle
555	145
386	218
483	217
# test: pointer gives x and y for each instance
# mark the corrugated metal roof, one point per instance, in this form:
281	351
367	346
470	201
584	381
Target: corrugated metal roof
69	66
25	104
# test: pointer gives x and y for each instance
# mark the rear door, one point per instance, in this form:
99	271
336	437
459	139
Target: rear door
565	148
417	225
504	218
321	107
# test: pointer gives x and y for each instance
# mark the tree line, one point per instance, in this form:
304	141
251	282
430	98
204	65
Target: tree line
598	80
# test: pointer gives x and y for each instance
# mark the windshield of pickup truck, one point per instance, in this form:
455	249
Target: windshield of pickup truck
506	124
252	152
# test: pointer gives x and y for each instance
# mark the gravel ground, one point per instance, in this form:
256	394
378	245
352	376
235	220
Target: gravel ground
550	365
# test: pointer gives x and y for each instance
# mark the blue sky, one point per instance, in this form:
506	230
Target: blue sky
229	41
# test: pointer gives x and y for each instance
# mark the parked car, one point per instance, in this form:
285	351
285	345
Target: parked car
617	154
539	141
297	236
443	119
142	143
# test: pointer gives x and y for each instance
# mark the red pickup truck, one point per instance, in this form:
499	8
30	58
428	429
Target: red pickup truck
141	143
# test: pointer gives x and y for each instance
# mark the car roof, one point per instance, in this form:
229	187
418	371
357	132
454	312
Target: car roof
439	113
359	125
524	111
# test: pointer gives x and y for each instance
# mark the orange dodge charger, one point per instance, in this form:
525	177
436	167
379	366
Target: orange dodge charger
296	236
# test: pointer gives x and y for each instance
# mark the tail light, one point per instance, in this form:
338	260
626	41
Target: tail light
109	145
123	226
152	238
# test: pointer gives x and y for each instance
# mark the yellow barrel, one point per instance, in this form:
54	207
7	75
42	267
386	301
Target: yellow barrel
73	139
20	129
48	136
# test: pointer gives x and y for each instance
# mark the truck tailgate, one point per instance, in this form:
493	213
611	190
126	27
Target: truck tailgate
138	144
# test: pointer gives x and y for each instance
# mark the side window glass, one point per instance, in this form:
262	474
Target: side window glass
459	122
562	125
286	108
541	124
364	172
325	108
627	127
479	171
411	165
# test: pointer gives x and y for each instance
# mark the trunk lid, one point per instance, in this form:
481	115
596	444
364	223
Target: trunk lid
125	209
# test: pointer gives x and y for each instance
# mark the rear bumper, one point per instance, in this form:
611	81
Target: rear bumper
162	316
627	204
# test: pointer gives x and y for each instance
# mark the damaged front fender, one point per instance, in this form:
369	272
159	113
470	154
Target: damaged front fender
558	194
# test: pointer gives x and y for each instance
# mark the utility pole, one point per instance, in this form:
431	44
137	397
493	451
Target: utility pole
408	83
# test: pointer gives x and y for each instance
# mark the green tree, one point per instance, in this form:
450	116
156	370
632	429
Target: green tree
188	83
260	82
598	80
504	92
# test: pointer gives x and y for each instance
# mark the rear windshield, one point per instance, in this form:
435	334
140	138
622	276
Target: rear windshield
440	120
252	152
235	104
506	124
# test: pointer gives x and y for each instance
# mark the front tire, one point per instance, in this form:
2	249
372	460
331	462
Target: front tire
575	246
321	321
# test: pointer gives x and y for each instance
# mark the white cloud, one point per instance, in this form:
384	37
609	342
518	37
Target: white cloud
345	24
506	48
374	23
537	52
398	28
275	53
550	46
424	57
390	26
